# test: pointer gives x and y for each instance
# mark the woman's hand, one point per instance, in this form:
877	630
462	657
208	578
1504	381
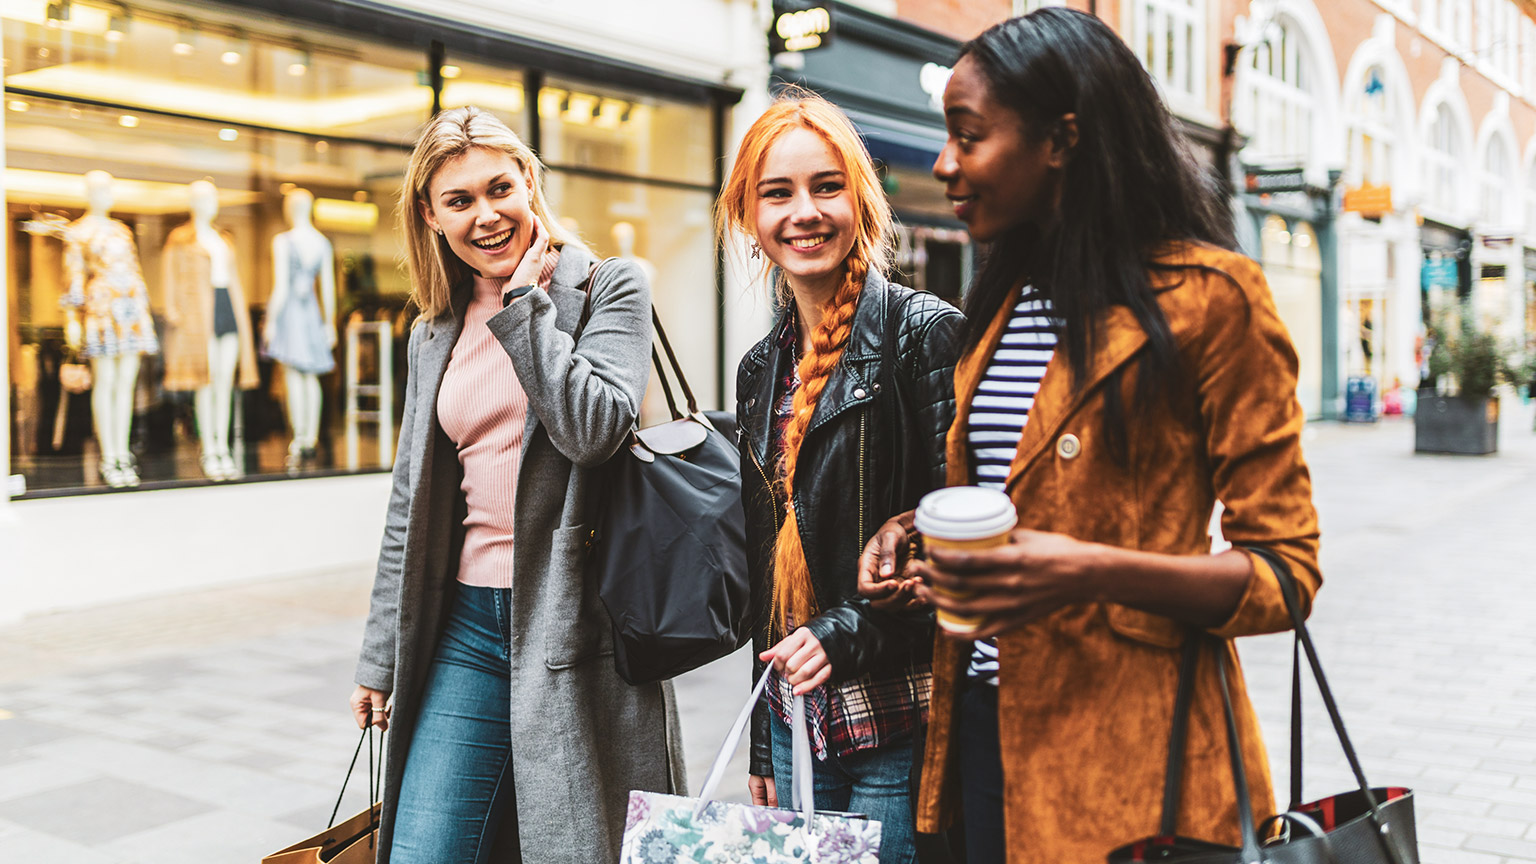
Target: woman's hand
886	576
369	704
762	791
800	658
1032	575
528	269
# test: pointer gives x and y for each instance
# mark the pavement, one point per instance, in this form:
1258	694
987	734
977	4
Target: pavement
211	726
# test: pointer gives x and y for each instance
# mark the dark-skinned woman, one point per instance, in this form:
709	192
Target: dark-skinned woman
1124	370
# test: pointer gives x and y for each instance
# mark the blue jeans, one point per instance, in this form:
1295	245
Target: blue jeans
876	783
457	788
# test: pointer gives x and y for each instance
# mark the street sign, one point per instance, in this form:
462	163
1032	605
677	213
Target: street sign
1262	181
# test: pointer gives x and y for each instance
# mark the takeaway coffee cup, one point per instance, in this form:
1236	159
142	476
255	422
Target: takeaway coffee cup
968	518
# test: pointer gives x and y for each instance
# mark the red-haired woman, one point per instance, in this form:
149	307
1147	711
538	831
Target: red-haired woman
843	408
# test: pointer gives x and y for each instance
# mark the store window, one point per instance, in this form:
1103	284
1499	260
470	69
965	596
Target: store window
1169	38
1372	131
1277	102
1496	178
205	278
1443	161
1292	261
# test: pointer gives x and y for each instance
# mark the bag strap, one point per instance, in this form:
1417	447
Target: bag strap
801	784
1178	738
1287	582
1252	852
666	344
375	772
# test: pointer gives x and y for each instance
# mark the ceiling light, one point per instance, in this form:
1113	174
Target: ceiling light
301	65
228	134
128	121
117	26
186	38
58	13
17	105
74	114
322	146
230	57
450	71
360	196
285	188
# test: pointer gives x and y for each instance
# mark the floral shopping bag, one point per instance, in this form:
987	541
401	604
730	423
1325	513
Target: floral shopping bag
668	829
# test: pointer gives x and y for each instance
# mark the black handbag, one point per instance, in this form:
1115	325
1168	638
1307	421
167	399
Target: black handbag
668	546
1362	826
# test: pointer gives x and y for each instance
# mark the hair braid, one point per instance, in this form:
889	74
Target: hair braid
794	598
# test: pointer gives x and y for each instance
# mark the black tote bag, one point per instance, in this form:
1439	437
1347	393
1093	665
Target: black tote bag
668	546
1361	826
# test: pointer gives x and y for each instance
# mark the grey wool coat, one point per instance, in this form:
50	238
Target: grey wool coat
581	737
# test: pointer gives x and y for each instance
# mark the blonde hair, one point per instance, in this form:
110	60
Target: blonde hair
434	269
794	596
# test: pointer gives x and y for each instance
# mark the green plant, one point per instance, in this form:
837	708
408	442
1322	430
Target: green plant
1475	359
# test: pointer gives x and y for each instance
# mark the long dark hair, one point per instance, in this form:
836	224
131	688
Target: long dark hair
1129	188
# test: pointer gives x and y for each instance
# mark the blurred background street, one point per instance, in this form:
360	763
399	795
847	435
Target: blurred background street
212	726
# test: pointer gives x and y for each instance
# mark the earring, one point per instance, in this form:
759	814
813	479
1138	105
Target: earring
439	232
756	251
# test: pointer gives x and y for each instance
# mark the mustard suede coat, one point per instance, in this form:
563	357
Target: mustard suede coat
1086	694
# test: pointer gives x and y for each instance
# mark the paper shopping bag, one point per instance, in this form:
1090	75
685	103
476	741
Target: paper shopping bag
354	841
669	829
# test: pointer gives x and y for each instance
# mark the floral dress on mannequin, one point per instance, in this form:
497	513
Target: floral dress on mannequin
298	337
102	266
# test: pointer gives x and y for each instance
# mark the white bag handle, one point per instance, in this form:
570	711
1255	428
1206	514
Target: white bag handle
801	791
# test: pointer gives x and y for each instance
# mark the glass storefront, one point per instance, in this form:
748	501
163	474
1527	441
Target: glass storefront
156	167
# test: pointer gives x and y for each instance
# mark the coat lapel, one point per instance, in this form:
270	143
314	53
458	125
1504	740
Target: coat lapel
1119	338
431	362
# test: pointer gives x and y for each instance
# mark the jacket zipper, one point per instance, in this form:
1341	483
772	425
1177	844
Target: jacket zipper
862	415
771	495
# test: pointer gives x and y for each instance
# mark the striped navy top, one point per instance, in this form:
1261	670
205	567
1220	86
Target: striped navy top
999	411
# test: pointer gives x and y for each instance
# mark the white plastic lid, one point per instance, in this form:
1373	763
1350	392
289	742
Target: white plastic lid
965	513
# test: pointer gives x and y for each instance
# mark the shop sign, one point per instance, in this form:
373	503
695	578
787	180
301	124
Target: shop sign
799	26
1263	181
1439	274
1368	200
1498	241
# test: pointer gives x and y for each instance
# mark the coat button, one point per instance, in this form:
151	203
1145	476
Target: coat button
1067	446
858	393
876	386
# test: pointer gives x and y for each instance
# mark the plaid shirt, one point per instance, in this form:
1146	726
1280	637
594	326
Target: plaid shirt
866	712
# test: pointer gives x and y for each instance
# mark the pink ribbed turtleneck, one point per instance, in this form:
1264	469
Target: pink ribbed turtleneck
484	410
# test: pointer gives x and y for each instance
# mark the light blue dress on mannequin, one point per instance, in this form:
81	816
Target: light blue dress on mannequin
298	338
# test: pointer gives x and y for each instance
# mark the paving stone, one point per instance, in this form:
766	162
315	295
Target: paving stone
28	776
99	810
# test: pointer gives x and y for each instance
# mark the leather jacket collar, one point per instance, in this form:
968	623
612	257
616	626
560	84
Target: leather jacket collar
851	383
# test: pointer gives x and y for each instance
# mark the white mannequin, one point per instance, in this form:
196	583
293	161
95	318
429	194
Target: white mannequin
623	235
215	399
303	387
115	376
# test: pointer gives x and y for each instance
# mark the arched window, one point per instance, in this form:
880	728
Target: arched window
1442	160
1278	104
1372	133
1496	164
1168	36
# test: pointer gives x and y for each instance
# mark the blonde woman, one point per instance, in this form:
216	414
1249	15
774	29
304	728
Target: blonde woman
842	408
511	728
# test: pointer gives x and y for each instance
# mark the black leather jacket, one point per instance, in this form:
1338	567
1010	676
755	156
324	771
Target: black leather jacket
874	447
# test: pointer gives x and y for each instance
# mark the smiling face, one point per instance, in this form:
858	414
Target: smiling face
804	212
479	201
996	174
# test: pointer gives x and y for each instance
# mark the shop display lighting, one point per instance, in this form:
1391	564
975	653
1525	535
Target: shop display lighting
450	72
128	121
186	37
228	134
300	66
117	25
17	105
57	13
232	54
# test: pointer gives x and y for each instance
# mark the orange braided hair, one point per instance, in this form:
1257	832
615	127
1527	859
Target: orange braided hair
794	598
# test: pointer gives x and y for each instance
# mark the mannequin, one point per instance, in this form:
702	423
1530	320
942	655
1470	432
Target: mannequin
106	285
210	324
299	333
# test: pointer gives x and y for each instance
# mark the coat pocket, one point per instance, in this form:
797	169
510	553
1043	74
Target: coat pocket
576	628
1144	626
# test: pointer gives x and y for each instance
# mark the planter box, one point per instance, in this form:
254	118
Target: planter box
1454	424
